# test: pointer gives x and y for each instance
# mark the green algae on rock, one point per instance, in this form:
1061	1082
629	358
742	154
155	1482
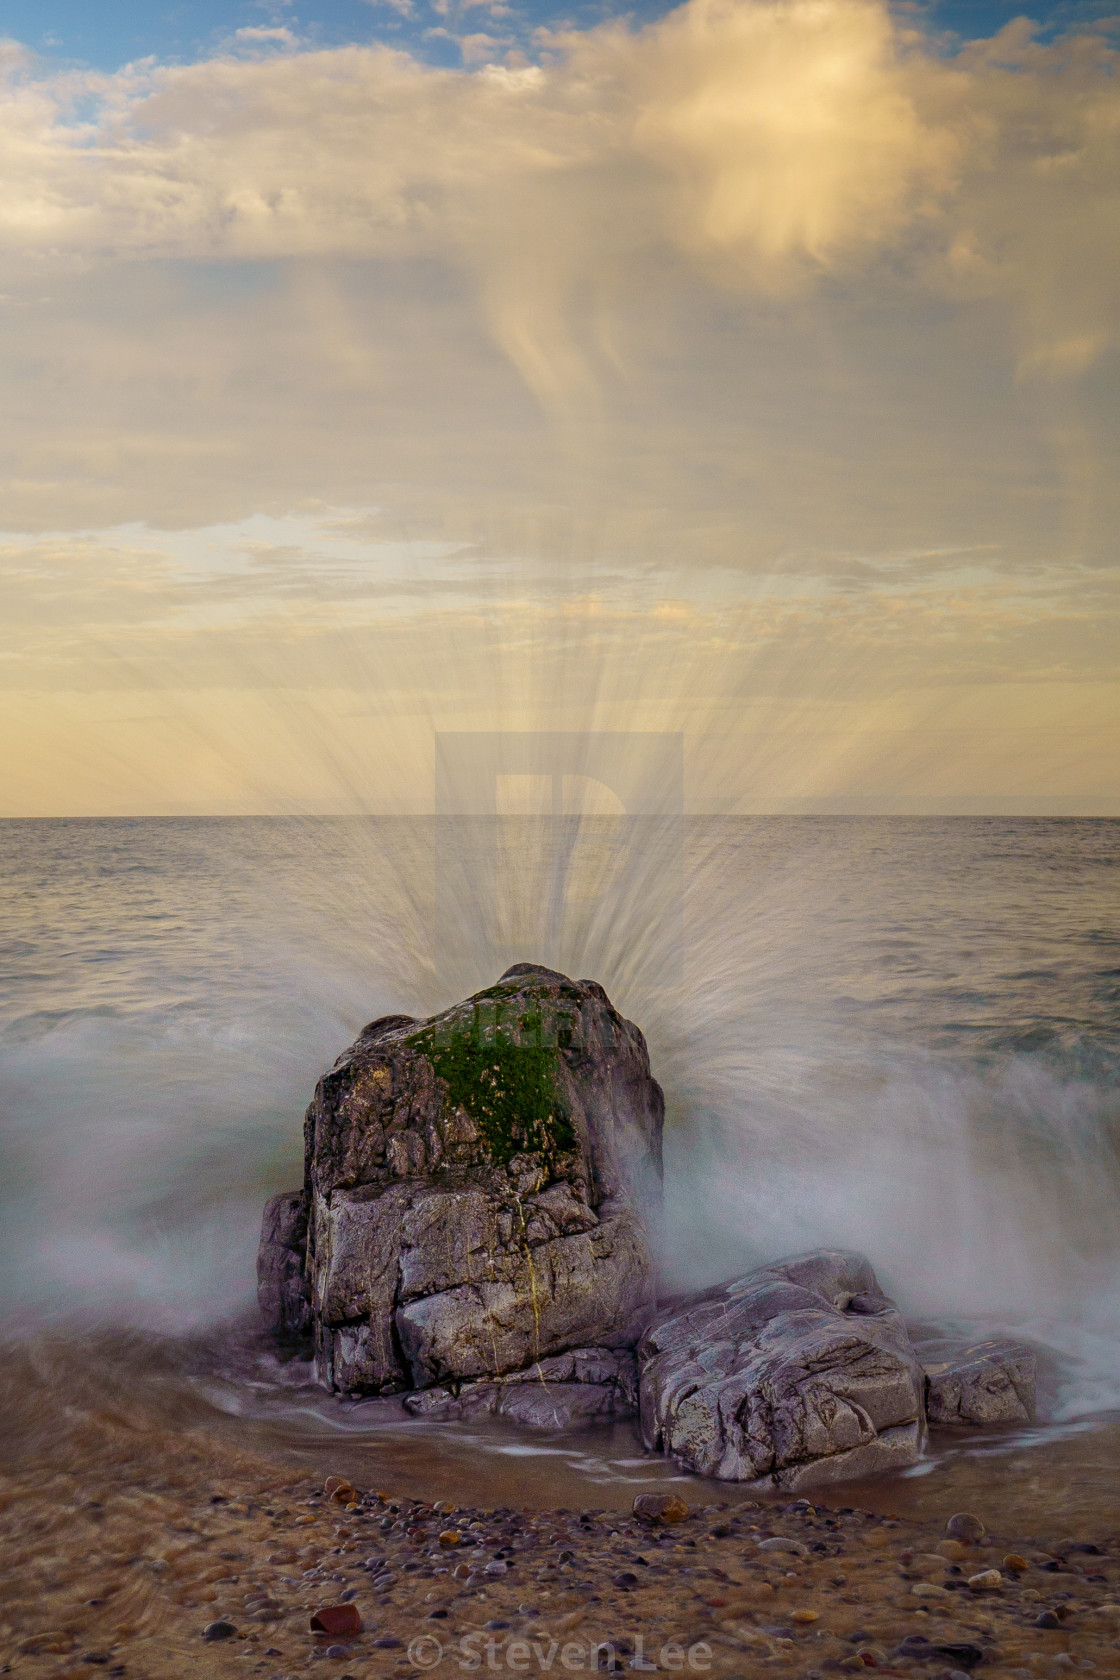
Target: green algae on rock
508	1084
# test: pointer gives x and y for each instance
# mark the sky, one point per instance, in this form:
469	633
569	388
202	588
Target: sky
745	370
107	34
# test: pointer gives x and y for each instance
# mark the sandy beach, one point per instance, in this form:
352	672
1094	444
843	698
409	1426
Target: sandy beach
125	1543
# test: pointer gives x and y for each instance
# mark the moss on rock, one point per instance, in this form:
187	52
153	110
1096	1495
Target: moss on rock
505	1079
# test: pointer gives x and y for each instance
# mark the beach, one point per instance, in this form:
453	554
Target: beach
149	1553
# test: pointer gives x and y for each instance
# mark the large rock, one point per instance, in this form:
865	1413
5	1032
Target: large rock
569	1391
473	1192
282	1290
798	1374
982	1382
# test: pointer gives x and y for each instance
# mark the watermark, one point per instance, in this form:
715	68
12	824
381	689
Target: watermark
491	1653
565	848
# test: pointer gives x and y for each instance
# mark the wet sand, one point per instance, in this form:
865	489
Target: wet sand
124	1540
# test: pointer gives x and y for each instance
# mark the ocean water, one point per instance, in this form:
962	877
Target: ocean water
900	1035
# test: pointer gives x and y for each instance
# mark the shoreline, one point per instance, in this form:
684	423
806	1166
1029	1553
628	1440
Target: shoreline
124	1540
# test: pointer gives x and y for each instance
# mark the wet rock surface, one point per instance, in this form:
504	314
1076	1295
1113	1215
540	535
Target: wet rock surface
797	1374
978	1382
473	1194
583	1386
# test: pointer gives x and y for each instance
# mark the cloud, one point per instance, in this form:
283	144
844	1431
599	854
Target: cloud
763	347
257	35
771	147
794	128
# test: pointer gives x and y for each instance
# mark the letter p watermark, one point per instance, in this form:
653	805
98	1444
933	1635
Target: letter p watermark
562	848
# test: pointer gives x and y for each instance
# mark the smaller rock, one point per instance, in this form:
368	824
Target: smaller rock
929	1589
1047	1619
337	1618
952	1550
988	1580
338	1650
805	1616
387	1642
1014	1561
964	1526
915	1646
219	1630
450	1537
782	1543
626	1578
987	1382
660	1508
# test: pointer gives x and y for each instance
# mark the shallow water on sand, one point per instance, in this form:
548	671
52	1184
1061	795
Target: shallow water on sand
228	1387
900	1035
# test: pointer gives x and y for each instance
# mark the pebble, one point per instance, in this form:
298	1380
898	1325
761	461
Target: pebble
337	1618
339	1490
660	1508
968	1656
219	1630
782	1543
988	1580
1047	1619
1014	1561
964	1526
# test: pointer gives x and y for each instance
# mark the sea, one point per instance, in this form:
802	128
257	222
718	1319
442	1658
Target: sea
900	1035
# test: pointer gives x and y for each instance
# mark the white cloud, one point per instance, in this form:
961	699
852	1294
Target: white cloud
769	143
763	291
256	35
